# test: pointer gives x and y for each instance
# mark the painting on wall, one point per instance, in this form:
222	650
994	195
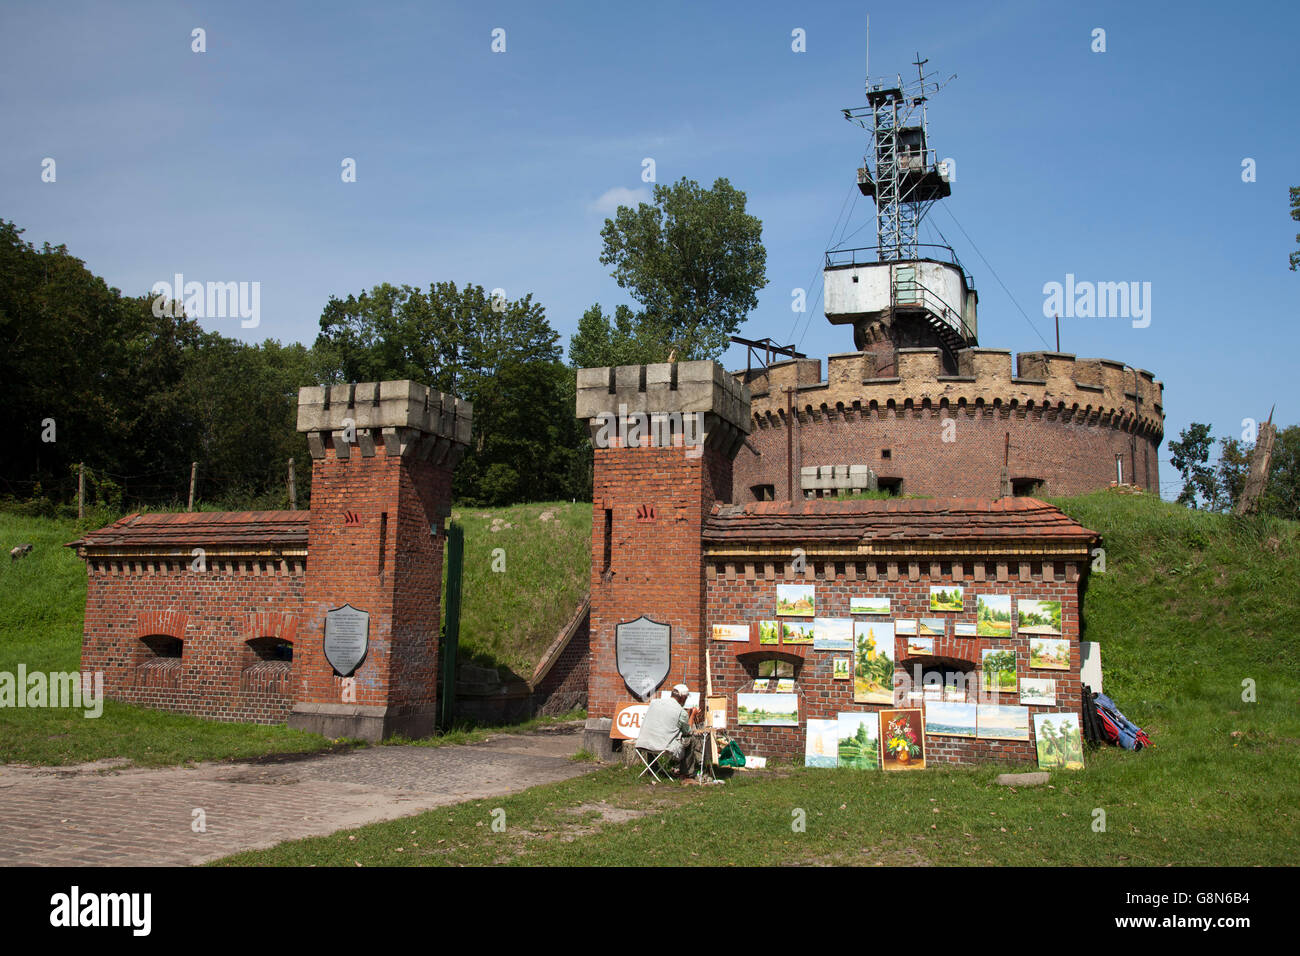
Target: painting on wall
946	598
822	743
763	684
993	615
873	662
902	739
767	710
796	600
769	632
869	605
797	632
784	685
731	632
905	627
998	670
1059	741
1002	722
963	629
920	646
841	668
1049	654
931	627
950	720
1038	690
1038	617
858	741
833	634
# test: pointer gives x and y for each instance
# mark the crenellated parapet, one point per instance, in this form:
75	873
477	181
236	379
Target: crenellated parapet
409	420
1054	384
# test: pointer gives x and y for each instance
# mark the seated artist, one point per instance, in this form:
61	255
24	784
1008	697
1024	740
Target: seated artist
667	726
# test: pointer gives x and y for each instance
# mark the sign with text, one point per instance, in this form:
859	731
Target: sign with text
641	652
347	638
627	722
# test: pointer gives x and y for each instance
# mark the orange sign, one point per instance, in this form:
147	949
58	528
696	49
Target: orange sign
627	722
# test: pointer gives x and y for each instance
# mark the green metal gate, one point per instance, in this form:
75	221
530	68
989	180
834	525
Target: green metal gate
455	565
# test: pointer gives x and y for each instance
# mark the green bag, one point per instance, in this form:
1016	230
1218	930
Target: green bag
731	756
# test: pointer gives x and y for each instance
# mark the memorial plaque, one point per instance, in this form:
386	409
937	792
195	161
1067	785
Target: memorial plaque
347	637
641	651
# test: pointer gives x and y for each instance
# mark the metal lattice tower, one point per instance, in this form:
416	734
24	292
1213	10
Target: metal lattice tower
899	170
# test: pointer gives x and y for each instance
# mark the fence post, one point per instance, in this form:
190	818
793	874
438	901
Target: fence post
81	491
293	489
194	468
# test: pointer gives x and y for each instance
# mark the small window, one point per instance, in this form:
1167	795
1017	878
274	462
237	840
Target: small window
893	486
160	645
763	492
1026	487
272	649
886	453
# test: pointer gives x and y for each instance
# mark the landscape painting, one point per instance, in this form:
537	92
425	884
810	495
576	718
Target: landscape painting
963	629
767	710
905	627
1002	722
950	720
869	605
1059	741
784	685
946	599
769	632
833	634
841	668
1048	654
1038	617
822	743
920	646
932	627
993	615
731	632
998	670
1038	690
873	662
797	632
858	744
796	600
902	740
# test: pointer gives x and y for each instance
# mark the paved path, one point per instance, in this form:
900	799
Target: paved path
92	816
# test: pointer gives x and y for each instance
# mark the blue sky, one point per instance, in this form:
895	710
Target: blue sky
499	168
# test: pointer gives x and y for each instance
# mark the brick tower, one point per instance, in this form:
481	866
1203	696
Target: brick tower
382	461
665	437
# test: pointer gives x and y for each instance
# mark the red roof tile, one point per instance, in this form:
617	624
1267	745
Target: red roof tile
899	519
167	532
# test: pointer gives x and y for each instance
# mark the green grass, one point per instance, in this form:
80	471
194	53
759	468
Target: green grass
511	616
1189	607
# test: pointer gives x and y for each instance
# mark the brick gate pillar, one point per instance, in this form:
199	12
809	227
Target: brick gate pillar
664	438
382	460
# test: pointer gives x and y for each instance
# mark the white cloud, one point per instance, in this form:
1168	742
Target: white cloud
611	199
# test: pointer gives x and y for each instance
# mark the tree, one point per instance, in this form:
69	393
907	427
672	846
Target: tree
694	259
1190	455
1282	494
625	338
1234	463
1295	214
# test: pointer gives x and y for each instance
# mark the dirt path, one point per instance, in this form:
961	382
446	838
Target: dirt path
101	815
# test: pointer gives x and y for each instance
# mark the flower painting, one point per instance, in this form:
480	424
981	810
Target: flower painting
873	662
902	739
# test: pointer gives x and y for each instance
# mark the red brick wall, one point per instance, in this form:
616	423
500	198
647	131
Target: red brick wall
1072	457
743	594
657	567
564	687
386	563
215	613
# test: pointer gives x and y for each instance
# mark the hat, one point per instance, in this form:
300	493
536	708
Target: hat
681	689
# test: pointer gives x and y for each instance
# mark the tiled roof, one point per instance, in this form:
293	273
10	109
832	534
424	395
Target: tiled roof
165	533
901	519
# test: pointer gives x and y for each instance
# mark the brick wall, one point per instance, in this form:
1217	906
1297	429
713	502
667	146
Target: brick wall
215	613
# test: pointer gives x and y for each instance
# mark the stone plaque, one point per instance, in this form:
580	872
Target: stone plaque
347	637
641	651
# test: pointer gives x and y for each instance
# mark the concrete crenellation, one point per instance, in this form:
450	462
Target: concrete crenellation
412	419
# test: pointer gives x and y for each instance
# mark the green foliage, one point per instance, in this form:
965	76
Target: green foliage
694	260
625	338
1191	455
1295	214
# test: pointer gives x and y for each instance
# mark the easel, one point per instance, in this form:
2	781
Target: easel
709	747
